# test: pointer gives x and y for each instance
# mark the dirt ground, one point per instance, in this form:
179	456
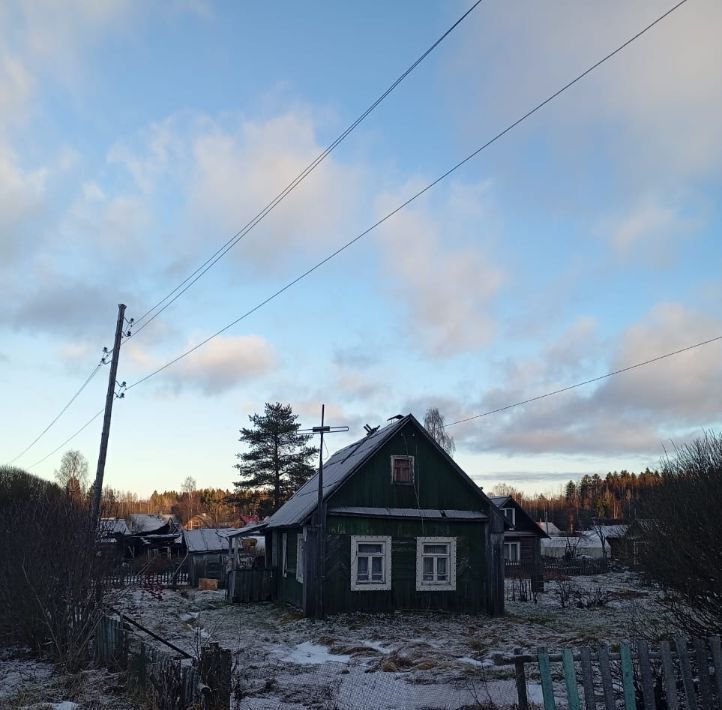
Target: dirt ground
397	660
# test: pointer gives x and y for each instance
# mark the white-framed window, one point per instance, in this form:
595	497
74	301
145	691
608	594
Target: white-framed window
402	470
512	552
370	563
435	564
284	554
299	556
510	515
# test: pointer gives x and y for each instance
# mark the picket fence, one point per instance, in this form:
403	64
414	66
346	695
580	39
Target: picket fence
168	578
683	675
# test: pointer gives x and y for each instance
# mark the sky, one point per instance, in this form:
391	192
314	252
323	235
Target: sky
136	138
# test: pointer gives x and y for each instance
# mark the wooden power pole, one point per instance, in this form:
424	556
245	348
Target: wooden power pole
109	397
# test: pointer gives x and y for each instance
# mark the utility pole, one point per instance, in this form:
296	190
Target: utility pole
109	397
320	526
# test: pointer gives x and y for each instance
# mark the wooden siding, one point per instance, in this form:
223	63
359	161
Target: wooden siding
470	594
436	484
289	590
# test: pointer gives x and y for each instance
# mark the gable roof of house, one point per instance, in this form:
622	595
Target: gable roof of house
141	523
503	502
551	529
341	466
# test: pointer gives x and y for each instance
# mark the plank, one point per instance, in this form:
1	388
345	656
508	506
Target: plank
686	668
570	679
645	671
606	674
588	678
630	701
705	686
546	679
714	643
670	681
520	676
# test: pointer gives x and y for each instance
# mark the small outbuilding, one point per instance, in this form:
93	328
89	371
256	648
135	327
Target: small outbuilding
207	550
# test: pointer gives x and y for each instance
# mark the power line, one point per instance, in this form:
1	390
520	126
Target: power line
411	199
220	253
586	382
61	412
70	438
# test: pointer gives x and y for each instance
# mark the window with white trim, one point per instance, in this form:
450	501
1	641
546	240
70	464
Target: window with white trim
370	563
512	551
402	470
435	564
510	515
299	557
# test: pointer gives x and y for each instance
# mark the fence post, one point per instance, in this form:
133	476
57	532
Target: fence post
520	681
215	668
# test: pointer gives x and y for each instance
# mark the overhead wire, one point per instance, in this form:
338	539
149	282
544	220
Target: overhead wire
69	439
240	234
60	413
411	199
586	382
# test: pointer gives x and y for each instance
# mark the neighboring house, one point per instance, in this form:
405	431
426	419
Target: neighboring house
522	539
154	536
405	528
586	544
614	536
550	529
635	539
207	550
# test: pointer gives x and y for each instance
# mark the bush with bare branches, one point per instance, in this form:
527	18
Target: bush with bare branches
50	569
682	548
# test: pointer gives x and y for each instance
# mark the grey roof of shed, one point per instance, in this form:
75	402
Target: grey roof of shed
342	465
428	513
208	539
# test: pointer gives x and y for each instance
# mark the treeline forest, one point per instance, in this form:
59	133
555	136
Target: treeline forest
620	496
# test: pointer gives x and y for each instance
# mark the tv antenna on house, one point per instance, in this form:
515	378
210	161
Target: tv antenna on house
320	526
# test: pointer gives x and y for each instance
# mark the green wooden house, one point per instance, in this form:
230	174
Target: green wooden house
401	526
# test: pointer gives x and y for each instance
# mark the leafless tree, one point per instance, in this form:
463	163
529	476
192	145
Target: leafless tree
682	538
434	424
73	471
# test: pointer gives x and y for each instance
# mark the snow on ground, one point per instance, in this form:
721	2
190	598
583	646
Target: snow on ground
29	684
399	660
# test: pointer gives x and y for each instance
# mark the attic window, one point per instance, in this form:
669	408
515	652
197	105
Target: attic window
402	470
510	515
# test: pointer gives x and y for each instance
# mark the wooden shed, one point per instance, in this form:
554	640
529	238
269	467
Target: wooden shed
207	550
401	526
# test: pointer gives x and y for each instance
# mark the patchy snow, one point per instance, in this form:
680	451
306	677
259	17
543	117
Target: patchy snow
308	652
400	660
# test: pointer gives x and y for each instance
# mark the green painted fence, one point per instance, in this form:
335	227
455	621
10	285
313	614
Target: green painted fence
681	675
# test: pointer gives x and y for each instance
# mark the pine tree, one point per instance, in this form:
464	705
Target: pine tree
276	462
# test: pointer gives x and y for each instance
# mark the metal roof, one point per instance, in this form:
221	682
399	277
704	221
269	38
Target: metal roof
335	471
342	465
430	513
208	539
143	523
498	501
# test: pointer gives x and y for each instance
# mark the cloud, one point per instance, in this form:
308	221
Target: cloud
649	230
227	168
435	261
217	367
653	112
628	414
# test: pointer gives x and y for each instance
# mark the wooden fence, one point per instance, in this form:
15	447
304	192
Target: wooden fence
679	676
167	578
250	585
168	677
